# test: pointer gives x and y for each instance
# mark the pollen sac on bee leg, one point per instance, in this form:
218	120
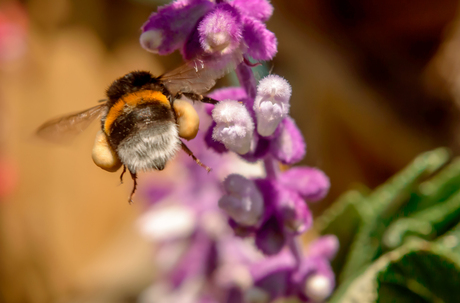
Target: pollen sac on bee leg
103	155
187	119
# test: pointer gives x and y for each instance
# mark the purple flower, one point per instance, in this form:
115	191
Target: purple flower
272	275
293	212
234	126
197	26
288	147
220	31
168	28
243	201
271	104
281	275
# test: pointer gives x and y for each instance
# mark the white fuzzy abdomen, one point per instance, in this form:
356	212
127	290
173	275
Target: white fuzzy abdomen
150	148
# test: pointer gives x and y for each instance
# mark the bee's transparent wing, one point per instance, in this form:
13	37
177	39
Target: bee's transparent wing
199	75
65	129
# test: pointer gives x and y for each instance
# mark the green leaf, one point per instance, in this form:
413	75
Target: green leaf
428	224
451	240
418	271
343	220
384	203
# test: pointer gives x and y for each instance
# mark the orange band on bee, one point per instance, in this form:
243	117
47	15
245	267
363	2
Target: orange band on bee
132	100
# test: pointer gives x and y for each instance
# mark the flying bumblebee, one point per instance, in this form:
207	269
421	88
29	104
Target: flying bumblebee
143	118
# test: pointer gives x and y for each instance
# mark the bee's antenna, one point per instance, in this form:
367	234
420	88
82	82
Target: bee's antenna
102	100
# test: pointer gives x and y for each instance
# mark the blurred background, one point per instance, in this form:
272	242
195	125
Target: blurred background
374	84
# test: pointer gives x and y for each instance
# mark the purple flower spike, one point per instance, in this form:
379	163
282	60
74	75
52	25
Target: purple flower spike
243	201
168	28
311	183
271	104
220	31
325	246
259	9
294	212
262	43
289	147
234	126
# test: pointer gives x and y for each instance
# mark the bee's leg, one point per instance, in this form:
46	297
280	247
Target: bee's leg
134	177
122	173
201	98
190	153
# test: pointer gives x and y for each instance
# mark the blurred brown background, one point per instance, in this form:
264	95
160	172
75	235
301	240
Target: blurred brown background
374	84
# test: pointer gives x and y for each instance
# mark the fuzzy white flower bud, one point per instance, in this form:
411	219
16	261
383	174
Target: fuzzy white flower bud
151	40
244	202
234	126
318	288
271	104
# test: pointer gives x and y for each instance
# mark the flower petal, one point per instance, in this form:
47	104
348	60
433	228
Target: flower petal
259	9
289	147
168	28
262	43
270	238
234	126
220	31
271	104
311	183
243	201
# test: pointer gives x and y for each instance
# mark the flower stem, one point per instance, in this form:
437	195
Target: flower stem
296	249
247	80
271	168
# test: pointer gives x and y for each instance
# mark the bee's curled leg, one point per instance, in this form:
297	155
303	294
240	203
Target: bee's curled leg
190	153
197	97
134	177
122	173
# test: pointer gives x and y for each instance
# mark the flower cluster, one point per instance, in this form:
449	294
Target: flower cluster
252	121
194	26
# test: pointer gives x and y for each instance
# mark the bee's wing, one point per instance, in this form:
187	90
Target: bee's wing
199	75
66	128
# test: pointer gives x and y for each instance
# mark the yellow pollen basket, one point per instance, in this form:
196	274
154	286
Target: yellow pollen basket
187	119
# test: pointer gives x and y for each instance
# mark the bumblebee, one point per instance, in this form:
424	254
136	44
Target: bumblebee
143	117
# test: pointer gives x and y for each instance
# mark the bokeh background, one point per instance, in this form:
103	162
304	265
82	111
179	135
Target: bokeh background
374	84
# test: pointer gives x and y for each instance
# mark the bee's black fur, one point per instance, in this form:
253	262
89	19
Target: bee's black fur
133	82
136	120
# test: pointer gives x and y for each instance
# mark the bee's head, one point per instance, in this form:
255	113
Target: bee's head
129	83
